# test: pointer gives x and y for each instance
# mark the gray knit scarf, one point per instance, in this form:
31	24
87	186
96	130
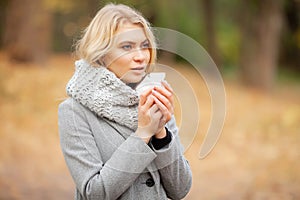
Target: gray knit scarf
103	93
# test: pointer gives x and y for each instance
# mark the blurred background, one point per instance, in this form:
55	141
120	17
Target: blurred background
255	44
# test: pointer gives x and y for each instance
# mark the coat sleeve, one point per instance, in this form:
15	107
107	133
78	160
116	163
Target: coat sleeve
93	178
173	168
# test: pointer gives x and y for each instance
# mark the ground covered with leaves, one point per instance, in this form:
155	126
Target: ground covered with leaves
256	157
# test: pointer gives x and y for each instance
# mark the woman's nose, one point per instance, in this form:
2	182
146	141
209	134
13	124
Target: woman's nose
140	55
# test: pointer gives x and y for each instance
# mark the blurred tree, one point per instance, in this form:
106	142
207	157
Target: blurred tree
290	49
165	12
27	30
182	16
209	15
3	6
260	23
70	17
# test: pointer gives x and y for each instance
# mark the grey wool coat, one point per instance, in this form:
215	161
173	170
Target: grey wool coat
108	161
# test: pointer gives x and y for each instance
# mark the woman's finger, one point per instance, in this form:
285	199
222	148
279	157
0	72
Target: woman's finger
167	86
158	115
154	108
144	96
167	93
167	103
165	111
149	103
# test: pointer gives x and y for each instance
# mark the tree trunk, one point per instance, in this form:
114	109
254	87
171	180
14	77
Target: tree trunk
167	18
260	35
27	31
209	23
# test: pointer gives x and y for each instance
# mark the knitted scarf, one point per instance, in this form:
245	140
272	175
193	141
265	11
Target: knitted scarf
103	93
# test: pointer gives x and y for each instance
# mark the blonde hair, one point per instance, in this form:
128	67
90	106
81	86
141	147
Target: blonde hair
97	37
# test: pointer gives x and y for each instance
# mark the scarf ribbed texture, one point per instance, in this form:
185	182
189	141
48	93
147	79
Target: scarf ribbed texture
103	93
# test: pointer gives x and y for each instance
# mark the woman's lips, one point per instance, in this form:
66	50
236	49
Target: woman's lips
138	68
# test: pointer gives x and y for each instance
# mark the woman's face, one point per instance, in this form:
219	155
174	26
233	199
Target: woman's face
130	53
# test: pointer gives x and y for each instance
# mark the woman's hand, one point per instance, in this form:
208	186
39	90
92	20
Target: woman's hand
149	116
164	99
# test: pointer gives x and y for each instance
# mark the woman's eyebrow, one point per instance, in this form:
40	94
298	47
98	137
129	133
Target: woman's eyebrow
132	42
127	42
145	41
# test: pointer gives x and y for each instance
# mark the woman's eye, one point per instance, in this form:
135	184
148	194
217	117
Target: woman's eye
127	47
146	46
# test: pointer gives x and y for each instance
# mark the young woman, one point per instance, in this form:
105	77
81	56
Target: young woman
118	144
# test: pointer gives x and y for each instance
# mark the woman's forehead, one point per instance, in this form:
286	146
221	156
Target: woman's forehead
130	32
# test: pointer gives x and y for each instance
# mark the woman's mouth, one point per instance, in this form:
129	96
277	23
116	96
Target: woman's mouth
138	68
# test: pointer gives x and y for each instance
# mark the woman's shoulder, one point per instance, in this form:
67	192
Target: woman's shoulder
70	105
71	108
70	111
69	102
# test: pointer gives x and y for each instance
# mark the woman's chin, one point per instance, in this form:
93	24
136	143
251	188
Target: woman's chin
132	79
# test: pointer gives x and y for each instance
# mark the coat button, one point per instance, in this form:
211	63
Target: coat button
150	182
